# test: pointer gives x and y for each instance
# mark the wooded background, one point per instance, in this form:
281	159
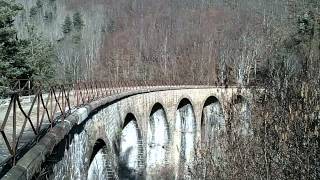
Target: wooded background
224	41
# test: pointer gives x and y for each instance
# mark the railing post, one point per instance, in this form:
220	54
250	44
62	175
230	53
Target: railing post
63	108
38	109
14	124
51	108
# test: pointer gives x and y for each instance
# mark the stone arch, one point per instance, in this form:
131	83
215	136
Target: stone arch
131	157
128	112
183	99
98	145
157	101
186	124
101	161
212	120
129	117
210	97
158	137
240	116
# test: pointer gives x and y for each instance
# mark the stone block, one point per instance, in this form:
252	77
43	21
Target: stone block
49	141
32	160
82	114
16	173
28	164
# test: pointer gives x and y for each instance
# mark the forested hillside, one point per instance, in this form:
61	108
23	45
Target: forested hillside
207	41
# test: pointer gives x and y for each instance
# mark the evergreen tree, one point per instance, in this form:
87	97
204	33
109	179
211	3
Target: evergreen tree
41	56
21	59
33	11
67	25
12	62
39	4
77	21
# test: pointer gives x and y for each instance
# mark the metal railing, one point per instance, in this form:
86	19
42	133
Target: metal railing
46	103
31	103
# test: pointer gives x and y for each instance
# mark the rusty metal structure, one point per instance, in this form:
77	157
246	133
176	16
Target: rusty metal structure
31	108
51	102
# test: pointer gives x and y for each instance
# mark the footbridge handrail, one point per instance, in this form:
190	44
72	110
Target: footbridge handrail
35	108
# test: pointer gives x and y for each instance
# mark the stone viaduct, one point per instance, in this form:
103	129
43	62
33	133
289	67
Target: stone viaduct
167	124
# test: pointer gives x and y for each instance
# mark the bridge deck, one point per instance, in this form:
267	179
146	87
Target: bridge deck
37	111
36	114
28	134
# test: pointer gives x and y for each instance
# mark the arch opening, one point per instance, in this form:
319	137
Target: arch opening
186	124
98	145
158	138
241	116
130	117
212	121
101	163
213	128
131	149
